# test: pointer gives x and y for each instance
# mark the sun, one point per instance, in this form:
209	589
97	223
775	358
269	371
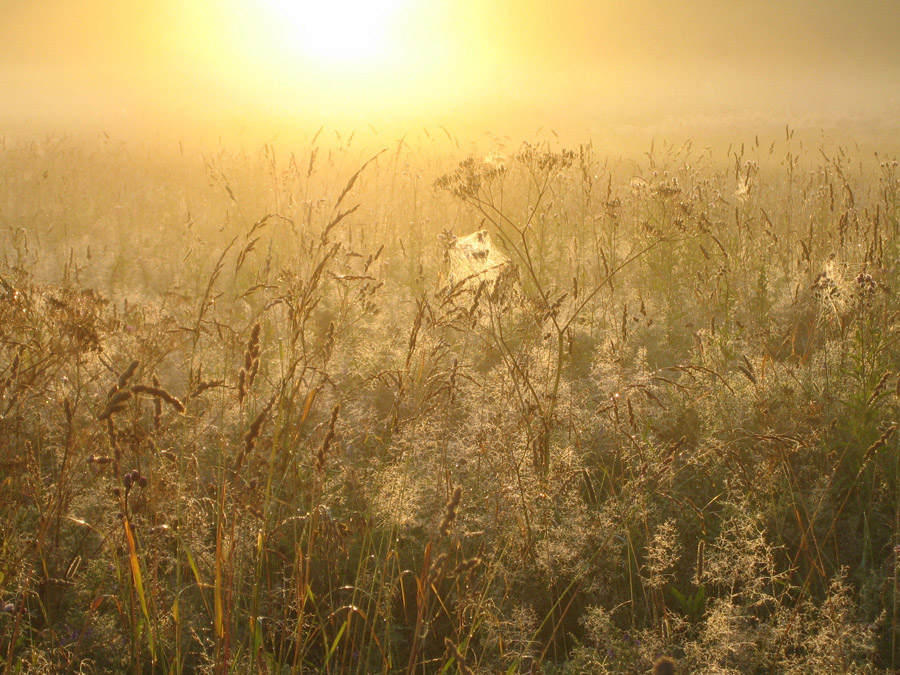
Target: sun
348	61
337	32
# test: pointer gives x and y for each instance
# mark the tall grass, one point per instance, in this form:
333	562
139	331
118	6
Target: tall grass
247	425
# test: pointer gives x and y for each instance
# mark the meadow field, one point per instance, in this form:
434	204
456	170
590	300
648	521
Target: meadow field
253	419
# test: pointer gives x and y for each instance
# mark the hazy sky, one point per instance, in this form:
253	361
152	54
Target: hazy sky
498	64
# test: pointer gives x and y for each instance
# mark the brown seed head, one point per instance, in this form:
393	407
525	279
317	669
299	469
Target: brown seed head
880	443
465	566
664	665
451	511
253	433
159	394
124	377
242	385
329	437
879	388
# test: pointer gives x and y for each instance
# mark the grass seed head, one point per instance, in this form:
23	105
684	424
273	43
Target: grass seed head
253	433
880	443
880	387
159	394
451	511
126	376
329	437
465	566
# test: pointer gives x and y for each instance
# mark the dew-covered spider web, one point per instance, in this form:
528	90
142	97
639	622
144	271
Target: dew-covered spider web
473	259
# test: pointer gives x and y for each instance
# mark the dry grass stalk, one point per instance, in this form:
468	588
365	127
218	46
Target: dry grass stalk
13	370
67	409
631	419
157	404
113	442
701	550
675	449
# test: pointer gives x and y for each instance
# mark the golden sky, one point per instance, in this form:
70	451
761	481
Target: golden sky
500	65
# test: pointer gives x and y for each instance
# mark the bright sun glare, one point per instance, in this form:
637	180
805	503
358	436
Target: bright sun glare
338	32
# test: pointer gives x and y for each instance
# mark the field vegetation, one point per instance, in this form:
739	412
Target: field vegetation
251	422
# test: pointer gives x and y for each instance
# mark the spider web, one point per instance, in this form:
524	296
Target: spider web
473	259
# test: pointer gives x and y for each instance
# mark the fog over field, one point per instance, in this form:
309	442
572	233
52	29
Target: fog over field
509	67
